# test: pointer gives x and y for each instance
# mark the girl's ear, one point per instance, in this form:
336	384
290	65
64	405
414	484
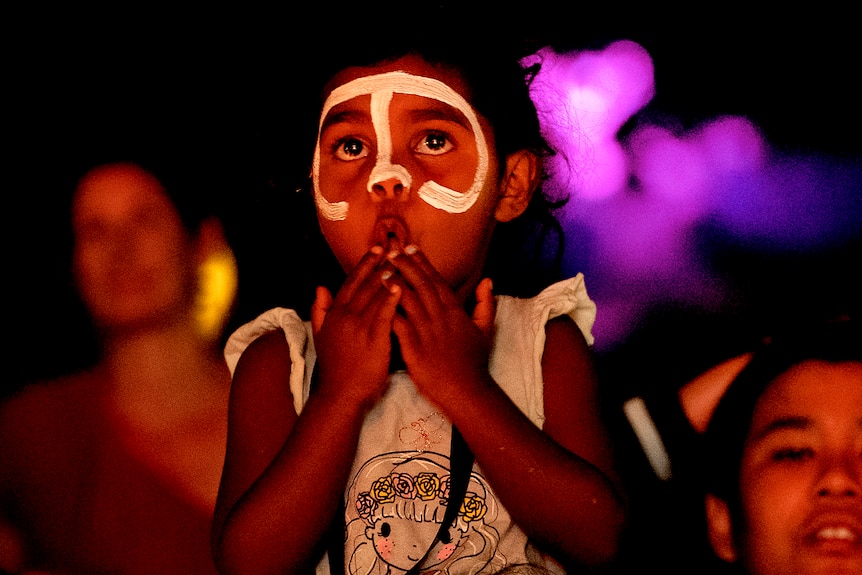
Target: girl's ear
520	180
720	528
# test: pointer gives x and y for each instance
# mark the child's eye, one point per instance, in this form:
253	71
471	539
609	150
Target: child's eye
792	454
350	149
434	143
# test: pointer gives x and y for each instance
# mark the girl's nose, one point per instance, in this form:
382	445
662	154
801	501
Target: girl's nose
841	476
389	189
389	182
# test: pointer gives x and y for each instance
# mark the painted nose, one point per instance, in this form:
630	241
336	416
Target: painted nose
390	189
389	182
841	476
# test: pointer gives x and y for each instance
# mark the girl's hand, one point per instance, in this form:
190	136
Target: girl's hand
442	346
352	333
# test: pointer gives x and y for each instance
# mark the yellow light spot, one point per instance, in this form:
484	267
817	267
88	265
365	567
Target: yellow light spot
218	278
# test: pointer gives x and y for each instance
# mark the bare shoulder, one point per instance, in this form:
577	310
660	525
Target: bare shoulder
261	382
567	353
49	402
268	352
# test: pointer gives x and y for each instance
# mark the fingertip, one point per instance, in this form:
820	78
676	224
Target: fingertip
321	295
485	289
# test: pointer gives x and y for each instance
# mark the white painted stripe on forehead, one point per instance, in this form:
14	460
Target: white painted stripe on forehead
385	85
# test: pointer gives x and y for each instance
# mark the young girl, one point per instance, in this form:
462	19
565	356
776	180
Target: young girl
783	455
421	152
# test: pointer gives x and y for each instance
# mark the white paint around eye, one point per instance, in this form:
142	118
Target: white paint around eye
382	87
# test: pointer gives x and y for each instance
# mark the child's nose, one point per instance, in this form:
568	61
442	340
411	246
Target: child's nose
390	189
841	476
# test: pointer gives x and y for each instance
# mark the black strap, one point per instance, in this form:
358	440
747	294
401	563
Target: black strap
461	466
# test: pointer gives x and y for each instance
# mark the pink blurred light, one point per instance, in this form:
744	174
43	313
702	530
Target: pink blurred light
636	201
584	98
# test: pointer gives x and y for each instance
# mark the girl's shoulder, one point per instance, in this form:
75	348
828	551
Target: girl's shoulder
291	329
564	298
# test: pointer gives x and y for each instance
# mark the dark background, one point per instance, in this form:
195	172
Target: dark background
223	88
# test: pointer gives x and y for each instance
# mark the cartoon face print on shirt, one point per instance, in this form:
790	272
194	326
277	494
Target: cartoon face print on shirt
395	505
401	542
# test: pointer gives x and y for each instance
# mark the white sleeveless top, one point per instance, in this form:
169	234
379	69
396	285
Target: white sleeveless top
398	486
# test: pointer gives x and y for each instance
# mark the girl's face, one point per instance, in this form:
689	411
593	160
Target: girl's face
801	474
131	254
401	542
402	158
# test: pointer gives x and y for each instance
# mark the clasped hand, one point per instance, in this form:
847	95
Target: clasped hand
401	293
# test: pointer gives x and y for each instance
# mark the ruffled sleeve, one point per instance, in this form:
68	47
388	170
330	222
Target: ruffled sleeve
298	336
519	339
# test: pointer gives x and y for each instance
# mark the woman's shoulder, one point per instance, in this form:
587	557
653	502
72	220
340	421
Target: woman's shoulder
49	402
49	424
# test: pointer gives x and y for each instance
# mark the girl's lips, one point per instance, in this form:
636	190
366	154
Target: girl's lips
391	233
840	530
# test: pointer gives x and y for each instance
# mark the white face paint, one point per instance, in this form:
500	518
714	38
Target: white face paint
382	87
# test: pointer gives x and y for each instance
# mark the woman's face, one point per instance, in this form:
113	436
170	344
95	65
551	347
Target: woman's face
402	158
132	255
801	474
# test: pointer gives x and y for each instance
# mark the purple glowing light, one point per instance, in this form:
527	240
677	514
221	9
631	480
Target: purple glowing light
639	199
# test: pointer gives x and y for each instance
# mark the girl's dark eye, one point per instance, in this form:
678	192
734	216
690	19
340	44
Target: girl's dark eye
385	530
792	455
434	143
350	149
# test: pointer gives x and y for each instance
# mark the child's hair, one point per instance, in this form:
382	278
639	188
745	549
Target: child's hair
834	341
525	254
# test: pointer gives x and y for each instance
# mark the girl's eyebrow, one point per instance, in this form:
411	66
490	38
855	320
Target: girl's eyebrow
796	422
443	112
343	117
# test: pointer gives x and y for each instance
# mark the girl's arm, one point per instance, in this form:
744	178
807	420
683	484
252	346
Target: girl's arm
283	473
556	482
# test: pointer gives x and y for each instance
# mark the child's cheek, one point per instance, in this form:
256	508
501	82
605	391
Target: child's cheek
384	548
446	551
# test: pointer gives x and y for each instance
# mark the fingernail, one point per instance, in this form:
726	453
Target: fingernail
386	275
411	249
392	254
377	250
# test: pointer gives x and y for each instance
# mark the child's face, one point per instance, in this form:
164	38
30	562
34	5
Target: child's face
402	158
131	255
801	474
